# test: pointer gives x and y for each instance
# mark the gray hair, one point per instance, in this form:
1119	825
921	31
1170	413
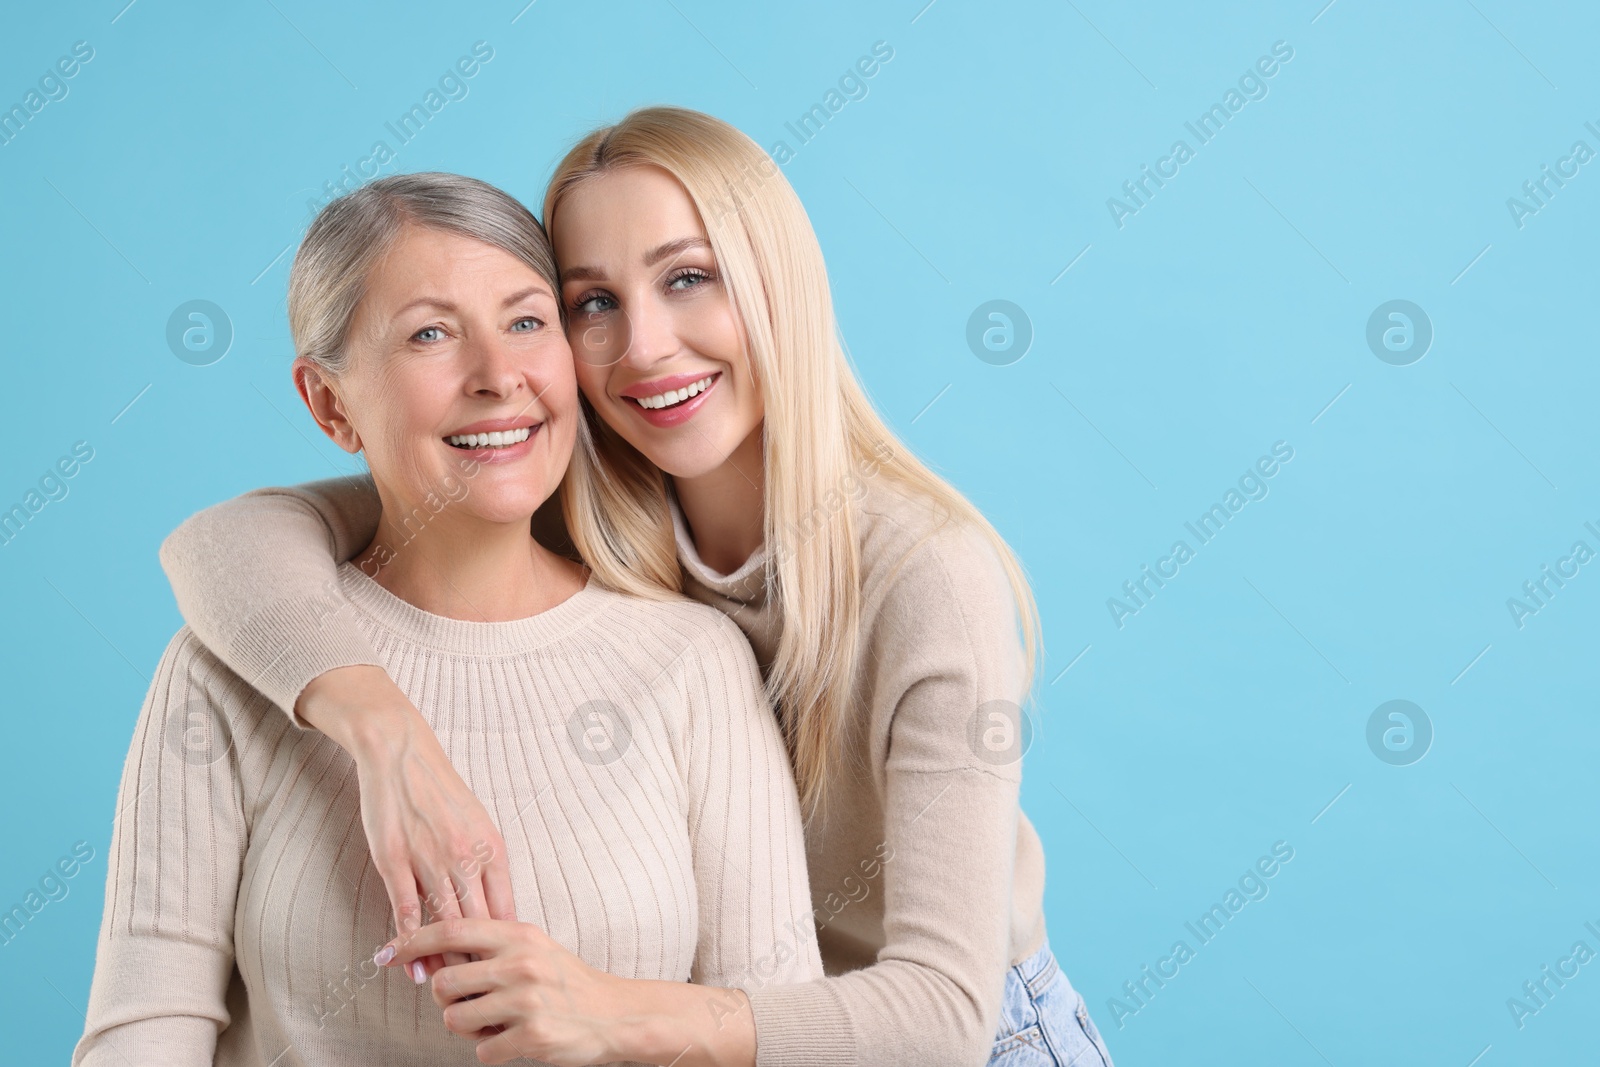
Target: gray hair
351	234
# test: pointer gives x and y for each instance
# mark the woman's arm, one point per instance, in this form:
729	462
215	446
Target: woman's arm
256	577
165	953
942	642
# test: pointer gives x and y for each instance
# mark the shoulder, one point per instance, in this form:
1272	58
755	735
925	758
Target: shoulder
680	626
190	679
918	554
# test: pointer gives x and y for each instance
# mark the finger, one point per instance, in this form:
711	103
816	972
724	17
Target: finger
497	888
485	937
465	980
444	902
469	1017
473	897
501	1047
404	901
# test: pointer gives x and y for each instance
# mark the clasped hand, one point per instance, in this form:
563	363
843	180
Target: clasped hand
523	996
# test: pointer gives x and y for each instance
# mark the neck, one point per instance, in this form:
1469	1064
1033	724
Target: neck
725	509
462	567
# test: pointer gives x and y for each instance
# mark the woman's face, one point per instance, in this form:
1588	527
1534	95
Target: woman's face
459	385
660	351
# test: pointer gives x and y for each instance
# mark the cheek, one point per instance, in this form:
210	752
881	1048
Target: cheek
592	380
714	331
393	410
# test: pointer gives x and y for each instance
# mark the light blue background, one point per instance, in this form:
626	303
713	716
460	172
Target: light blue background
1223	317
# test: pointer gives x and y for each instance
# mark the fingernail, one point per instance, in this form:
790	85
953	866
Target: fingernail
419	973
385	954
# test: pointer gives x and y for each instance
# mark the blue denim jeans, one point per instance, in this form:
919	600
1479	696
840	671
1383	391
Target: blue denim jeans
1043	1020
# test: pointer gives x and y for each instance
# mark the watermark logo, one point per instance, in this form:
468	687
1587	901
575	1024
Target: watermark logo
999	332
1399	733
196	734
1399	332
600	732
1000	732
199	332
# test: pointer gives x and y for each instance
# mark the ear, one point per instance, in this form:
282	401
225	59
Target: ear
321	395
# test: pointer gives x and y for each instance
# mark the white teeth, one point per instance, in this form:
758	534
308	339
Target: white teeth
497	439
675	396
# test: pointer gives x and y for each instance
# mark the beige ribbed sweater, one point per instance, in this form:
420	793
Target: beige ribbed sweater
927	881
242	905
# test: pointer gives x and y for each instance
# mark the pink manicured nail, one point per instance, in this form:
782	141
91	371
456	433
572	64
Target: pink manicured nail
385	954
419	973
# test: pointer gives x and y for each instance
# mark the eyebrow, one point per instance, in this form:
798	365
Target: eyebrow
444	305
651	258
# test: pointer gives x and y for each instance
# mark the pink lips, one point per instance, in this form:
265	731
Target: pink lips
678	413
505	453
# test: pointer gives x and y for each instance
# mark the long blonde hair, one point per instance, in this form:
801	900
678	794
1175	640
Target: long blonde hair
820	431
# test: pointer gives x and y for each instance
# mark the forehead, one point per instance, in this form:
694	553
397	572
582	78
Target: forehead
425	256
621	212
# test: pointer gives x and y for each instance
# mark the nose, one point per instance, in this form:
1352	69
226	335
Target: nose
493	372
652	335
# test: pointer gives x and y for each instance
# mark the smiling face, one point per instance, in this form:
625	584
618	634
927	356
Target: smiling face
659	348
459	382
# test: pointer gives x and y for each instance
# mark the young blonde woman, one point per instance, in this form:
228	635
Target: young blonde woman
651	825
732	457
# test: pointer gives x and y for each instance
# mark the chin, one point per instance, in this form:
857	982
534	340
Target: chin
697	459
505	513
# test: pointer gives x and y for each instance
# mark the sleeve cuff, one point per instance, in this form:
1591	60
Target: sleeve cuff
326	638
802	1026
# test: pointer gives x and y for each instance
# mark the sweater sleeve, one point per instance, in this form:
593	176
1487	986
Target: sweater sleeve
756	926
256	578
948	677
165	954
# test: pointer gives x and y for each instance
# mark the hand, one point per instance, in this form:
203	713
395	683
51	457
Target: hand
524	996
527	996
437	850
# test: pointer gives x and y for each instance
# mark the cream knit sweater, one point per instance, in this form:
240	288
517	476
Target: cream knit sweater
927	881
624	748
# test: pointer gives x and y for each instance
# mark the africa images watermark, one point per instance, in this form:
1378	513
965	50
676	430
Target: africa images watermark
1538	592
1251	886
50	88
852	86
410	527
52	487
1537	993
1538	192
1252	486
52	886
451	86
343	988
1252	85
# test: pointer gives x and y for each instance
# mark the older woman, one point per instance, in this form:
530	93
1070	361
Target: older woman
623	745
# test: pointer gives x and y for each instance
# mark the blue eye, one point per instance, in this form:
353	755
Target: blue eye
422	334
526	325
595	304
693	275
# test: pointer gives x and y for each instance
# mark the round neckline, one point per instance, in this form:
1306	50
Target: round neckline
689	556
463	636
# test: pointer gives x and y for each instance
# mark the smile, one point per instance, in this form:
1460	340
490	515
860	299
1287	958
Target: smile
674	397
497	439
